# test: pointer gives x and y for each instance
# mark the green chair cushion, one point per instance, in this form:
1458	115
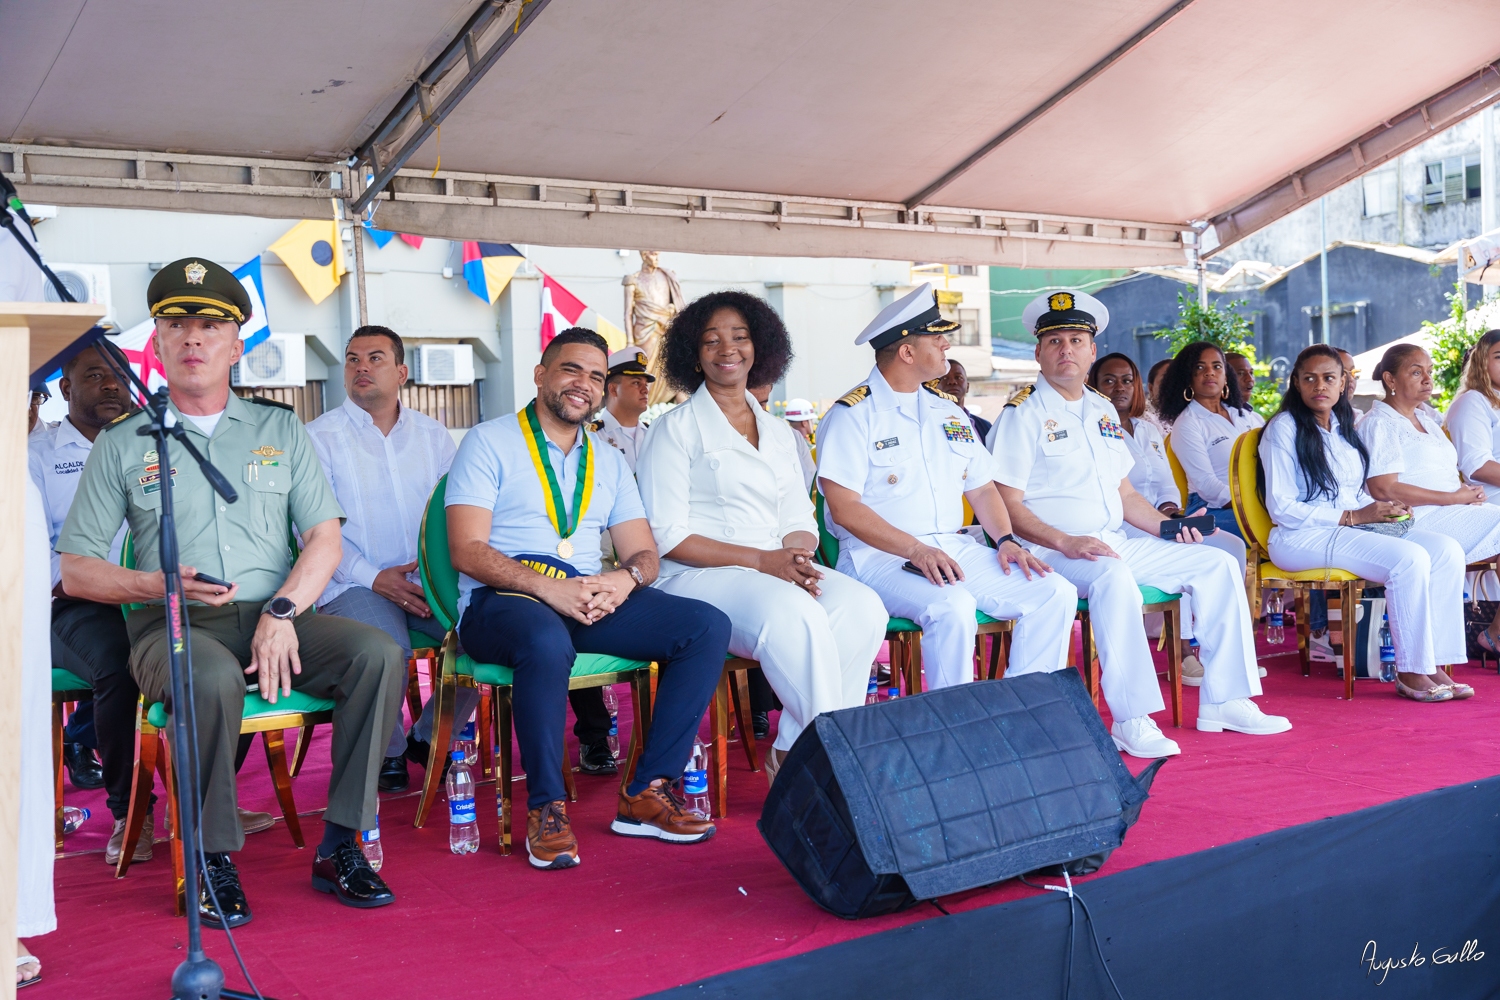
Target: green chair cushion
907	625
586	665
1149	595
421	640
256	706
66	680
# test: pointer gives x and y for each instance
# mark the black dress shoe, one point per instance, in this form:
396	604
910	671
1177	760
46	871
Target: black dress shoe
417	750
595	758
761	723
224	877
393	776
84	769
348	876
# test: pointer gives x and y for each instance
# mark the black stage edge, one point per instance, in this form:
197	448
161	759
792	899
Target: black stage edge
1326	909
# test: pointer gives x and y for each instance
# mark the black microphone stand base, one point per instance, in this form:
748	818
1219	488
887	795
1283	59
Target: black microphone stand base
199	978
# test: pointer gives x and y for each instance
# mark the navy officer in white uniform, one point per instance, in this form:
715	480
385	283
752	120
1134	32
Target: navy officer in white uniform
1062	465
896	458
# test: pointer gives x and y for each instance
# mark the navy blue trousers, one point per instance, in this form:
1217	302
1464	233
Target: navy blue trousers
686	638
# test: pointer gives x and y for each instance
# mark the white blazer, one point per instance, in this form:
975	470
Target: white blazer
1475	427
698	476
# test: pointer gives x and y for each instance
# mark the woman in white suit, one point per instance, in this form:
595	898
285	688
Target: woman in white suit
1473	419
723	490
1315	468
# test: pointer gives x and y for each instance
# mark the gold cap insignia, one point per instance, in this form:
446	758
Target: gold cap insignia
640	358
195	273
266	451
1060	301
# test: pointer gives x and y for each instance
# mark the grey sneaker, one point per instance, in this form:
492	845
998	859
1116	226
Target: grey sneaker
117	842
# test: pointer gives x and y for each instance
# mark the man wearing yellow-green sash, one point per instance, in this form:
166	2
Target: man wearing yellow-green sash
527	497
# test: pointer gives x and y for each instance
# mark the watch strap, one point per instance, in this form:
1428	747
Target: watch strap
1007	537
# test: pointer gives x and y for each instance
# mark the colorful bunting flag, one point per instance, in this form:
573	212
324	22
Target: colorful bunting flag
380	236
488	268
312	251
562	309
415	242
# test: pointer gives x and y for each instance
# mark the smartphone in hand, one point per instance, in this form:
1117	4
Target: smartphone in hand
1173	526
212	581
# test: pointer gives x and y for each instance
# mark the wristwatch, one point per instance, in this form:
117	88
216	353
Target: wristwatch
636	575
1007	537
280	607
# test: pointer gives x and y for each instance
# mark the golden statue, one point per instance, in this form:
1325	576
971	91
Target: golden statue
653	298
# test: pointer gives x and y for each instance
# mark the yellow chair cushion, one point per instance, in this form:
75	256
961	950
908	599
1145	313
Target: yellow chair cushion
1270	571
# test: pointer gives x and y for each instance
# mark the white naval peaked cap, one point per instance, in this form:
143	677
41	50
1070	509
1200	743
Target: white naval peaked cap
800	409
629	361
1065	310
914	313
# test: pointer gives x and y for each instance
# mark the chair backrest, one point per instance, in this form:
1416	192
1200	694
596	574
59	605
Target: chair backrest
1179	475
439	578
828	546
1244	493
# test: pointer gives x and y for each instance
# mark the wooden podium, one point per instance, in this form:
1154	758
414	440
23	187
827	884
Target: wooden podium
36	331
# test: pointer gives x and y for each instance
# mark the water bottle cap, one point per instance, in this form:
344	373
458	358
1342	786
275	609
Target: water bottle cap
456	756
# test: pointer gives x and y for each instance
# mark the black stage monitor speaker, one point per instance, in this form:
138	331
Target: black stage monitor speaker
880	806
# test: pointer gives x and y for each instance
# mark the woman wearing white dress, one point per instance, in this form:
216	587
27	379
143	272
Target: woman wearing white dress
1315	467
724	493
1117	377
1473	419
1413	462
1201	397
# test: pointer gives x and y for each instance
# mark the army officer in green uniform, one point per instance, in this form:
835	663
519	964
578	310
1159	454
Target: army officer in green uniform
261	629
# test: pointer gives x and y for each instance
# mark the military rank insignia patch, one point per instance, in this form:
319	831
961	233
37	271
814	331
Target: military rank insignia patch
958	430
1111	428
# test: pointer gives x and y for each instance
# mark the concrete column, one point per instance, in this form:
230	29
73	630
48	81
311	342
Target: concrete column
508	384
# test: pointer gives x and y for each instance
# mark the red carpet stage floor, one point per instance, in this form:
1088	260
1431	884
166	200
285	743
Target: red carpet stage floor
637	917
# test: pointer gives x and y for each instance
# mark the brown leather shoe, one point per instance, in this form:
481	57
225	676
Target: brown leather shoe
256	822
658	812
550	843
117	842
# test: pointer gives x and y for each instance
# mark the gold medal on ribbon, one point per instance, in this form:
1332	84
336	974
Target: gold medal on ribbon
565	549
583	492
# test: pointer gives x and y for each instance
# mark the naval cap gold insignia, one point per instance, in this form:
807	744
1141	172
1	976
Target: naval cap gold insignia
1060	301
195	273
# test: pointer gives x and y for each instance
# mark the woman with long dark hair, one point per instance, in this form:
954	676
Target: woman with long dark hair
1202	399
1116	377
1473	418
1316	467
722	484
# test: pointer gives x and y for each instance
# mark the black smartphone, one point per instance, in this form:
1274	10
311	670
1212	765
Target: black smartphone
212	581
1173	525
911	568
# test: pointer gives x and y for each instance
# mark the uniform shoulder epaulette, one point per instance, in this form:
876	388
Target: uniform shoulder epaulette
263	401
596	426
121	419
932	387
1098	393
1021	396
858	394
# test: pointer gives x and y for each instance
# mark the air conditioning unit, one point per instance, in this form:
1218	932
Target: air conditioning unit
443	364
279	360
86	283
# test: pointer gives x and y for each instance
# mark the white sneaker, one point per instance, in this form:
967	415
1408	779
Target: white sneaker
1139	737
1320	649
1192	671
1241	715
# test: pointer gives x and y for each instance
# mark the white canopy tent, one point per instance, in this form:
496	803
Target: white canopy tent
1082	133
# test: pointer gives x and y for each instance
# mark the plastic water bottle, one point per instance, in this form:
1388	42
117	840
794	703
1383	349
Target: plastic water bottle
463	825
893	692
1275	620
73	818
612	706
872	693
468	744
1387	651
695	781
369	842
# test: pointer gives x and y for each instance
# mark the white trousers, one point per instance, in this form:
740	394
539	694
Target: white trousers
1423	575
1209	576
35	913
1042	606
1221	539
815	652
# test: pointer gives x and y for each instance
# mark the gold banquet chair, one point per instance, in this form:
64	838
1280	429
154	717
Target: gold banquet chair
1255	524
1179	474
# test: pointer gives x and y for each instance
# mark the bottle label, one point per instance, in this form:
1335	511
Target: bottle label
1387	654
461	811
695	782
1276	619
614	727
370	836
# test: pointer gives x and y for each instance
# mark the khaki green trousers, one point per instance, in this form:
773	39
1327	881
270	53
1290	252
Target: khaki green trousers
357	666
